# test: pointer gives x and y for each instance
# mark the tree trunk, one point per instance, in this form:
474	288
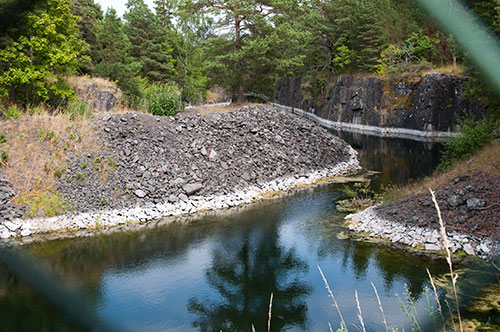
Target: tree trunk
239	98
237	44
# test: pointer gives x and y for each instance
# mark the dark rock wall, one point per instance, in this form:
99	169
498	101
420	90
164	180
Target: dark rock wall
431	104
99	99
7	211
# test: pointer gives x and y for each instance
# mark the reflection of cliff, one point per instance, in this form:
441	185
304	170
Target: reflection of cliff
398	160
245	270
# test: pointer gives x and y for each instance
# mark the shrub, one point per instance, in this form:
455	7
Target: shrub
77	109
46	204
162	99
4	155
3	139
474	135
45	134
133	91
12	112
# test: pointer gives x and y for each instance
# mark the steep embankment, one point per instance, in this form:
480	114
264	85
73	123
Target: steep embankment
151	167
468	197
428	106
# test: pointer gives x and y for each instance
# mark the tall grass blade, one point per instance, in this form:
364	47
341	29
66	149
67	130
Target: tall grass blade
343	325
448	258
380	307
270	312
437	299
360	314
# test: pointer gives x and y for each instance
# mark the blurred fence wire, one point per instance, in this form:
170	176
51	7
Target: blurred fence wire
480	43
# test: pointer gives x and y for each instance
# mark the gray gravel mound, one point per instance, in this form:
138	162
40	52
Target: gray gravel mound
149	160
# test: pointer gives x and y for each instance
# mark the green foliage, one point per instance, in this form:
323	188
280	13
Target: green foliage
4	155
149	44
162	99
3	139
343	57
256	48
474	134
89	16
113	59
46	135
46	47
417	47
12	112
77	109
58	172
361	196
133	90
46	204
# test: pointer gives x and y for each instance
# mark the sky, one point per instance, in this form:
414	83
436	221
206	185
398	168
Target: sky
119	5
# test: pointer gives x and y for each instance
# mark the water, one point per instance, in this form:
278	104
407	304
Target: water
218	273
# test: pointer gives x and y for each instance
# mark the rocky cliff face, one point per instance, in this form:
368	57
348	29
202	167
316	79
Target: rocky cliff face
99	99
430	104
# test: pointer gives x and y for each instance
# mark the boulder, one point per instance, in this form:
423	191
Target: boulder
192	188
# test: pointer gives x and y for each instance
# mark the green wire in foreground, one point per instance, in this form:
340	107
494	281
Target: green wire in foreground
474	37
42	278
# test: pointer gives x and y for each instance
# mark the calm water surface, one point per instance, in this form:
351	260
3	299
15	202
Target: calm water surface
218	273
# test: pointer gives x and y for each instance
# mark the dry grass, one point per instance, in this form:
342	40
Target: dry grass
80	82
343	326
446	244
204	110
486	161
38	147
212	96
447	69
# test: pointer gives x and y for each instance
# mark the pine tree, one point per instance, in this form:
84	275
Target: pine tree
371	34
149	42
90	18
113	58
242	55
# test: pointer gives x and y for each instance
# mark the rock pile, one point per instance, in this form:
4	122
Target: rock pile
155	159
152	167
8	213
469	207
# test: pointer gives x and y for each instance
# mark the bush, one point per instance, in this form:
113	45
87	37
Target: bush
474	135
12	112
162	99
77	109
46	204
133	91
4	156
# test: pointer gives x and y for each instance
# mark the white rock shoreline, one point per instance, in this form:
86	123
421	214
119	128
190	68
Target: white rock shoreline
28	228
430	239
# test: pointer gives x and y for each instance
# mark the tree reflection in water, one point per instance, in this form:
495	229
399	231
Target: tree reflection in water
245	269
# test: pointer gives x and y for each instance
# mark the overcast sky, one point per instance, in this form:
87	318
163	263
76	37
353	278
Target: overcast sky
119	5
